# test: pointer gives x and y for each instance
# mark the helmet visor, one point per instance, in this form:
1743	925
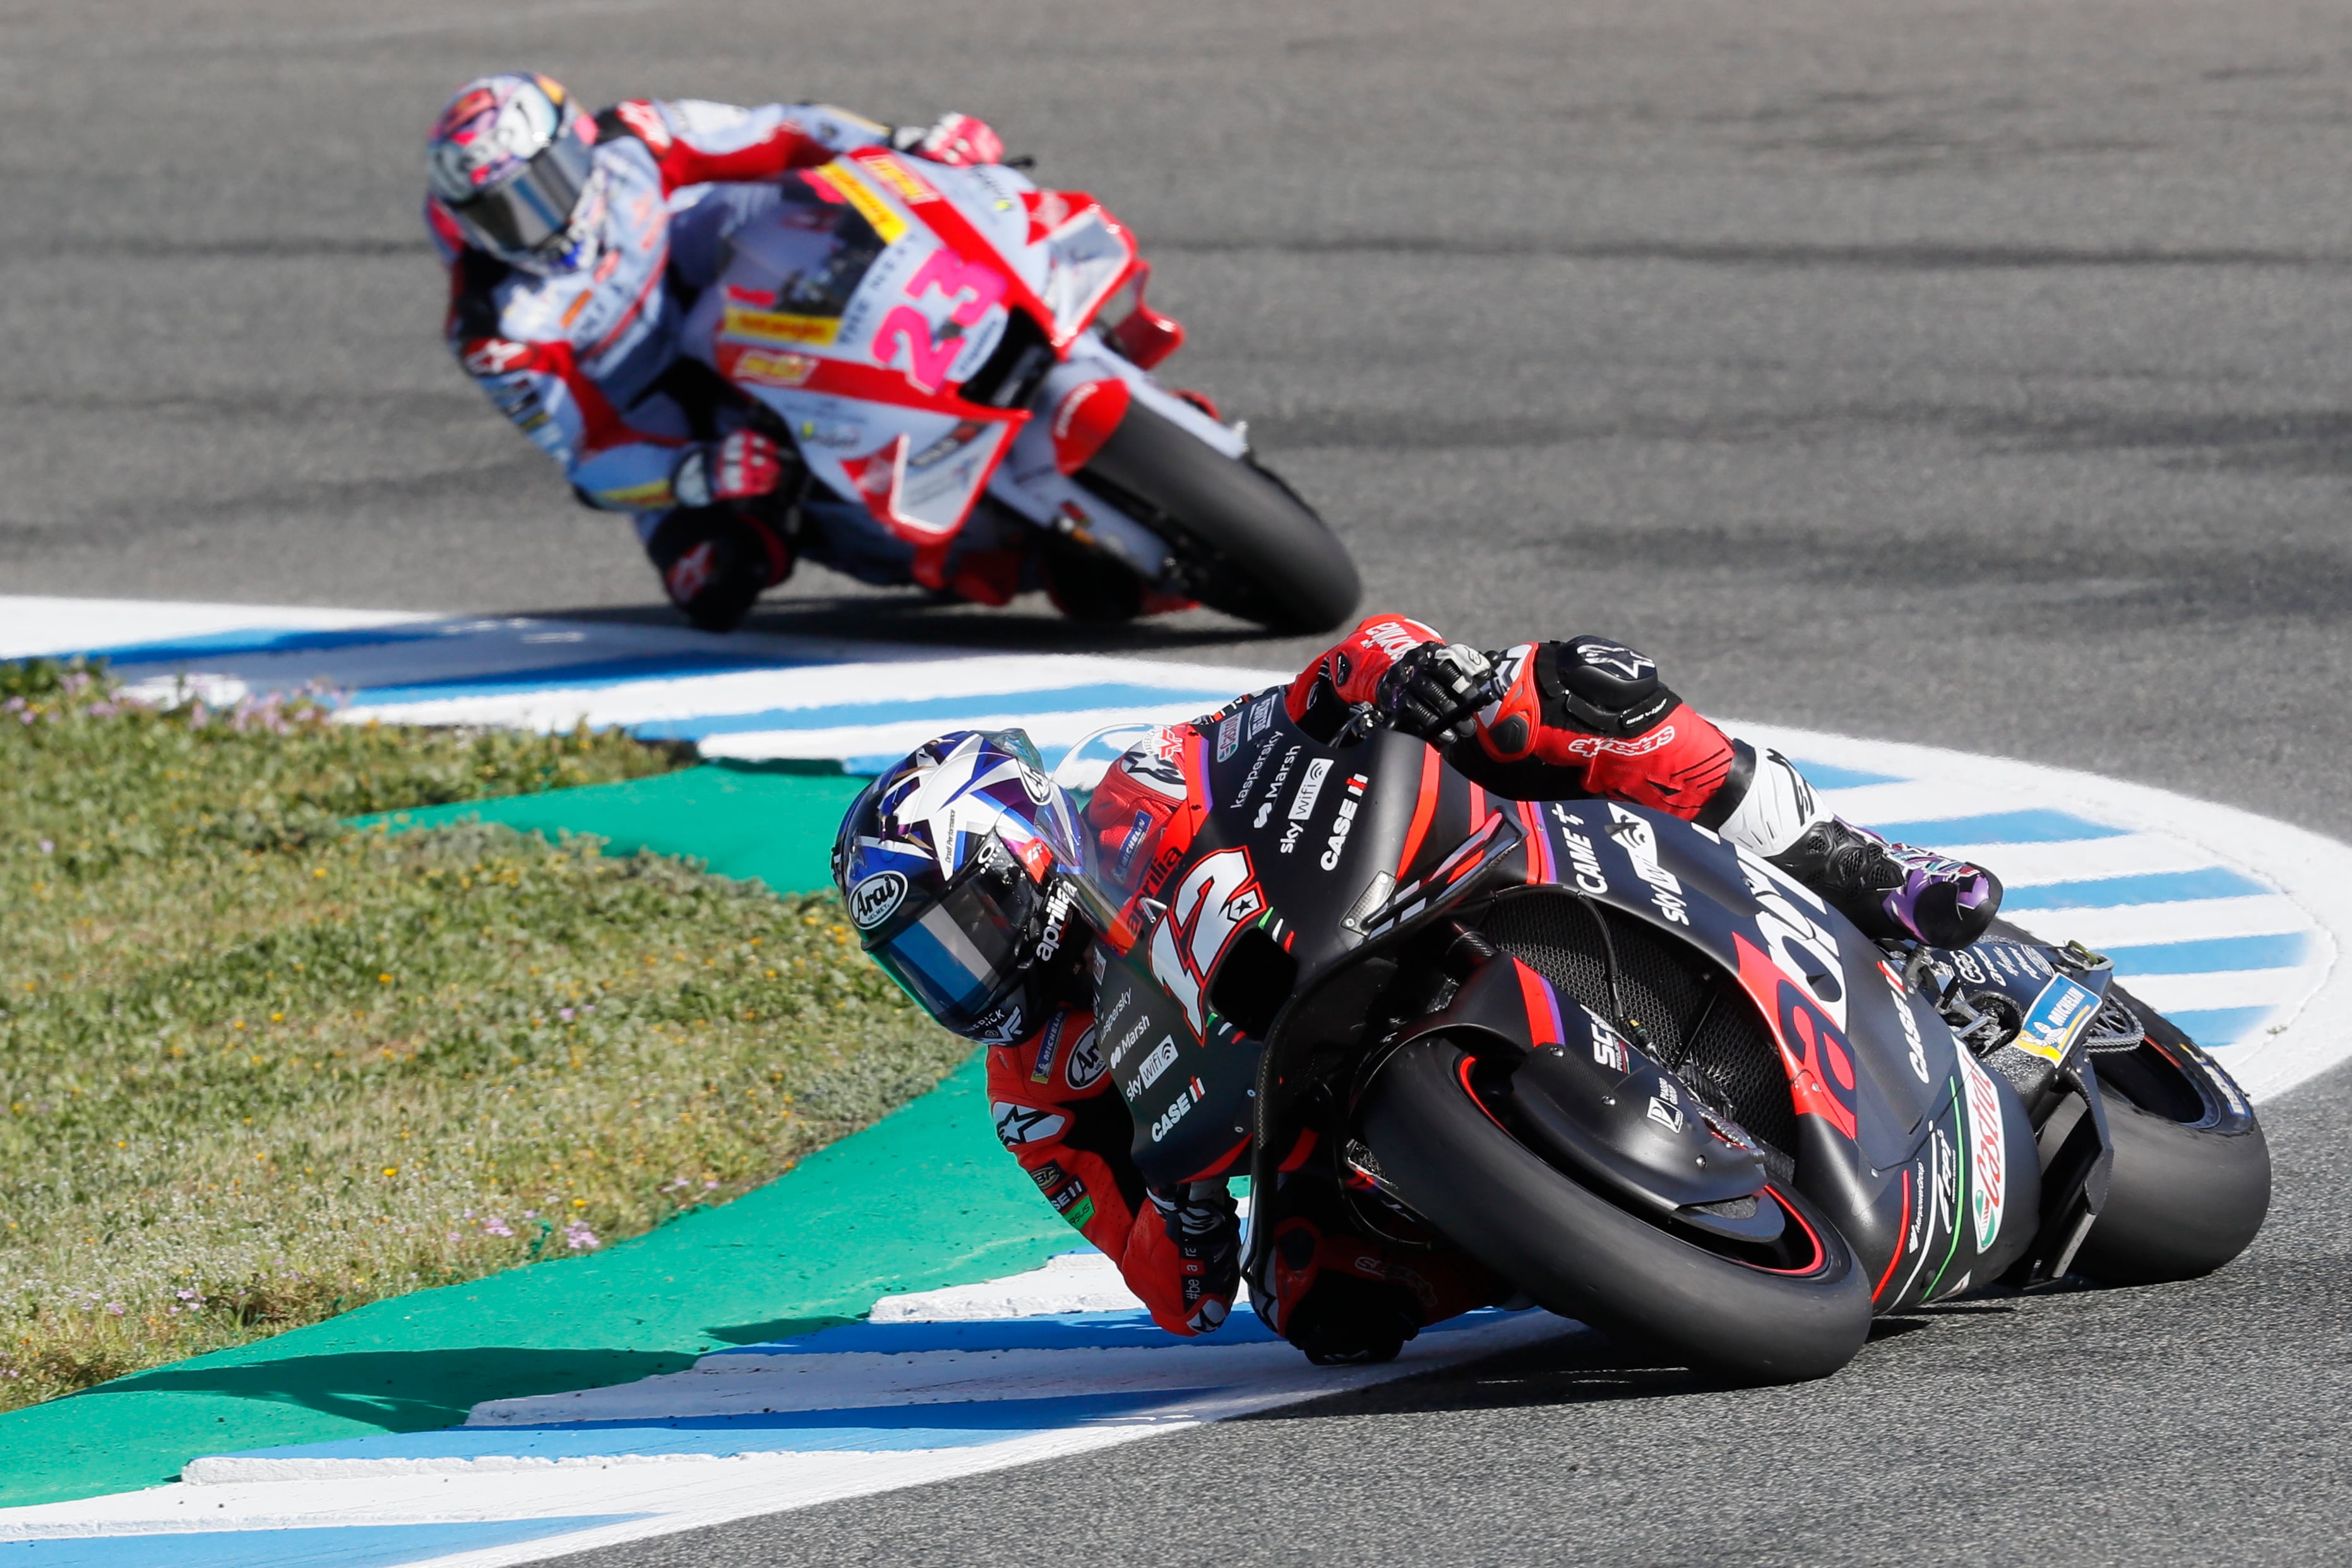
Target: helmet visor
531	210
959	955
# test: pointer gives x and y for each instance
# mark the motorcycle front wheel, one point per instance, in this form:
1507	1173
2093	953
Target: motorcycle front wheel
1247	544
1793	1310
2191	1183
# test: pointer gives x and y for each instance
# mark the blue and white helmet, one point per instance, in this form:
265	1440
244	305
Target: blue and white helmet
953	864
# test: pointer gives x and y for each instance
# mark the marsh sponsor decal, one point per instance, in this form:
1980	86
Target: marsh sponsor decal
1134	1032
876	898
1988	1150
1281	777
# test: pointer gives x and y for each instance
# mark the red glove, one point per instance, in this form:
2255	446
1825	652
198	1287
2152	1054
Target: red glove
735	469
1325	690
957	140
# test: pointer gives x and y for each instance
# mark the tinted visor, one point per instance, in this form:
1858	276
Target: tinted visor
532	211
960	956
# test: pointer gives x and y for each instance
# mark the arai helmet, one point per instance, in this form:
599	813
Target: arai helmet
512	161
953	864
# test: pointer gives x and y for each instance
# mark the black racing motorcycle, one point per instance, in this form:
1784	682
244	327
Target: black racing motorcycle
1637	1071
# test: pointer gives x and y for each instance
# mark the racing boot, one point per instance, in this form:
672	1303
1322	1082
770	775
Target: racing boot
1893	891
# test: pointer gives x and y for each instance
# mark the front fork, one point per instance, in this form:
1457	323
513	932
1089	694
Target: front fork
2078	1155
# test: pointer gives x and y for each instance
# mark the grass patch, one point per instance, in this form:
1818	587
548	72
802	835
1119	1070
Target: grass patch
257	1069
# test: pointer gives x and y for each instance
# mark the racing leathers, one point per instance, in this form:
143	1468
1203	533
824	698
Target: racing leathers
1586	716
587	362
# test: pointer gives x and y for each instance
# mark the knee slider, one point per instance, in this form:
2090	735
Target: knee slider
1600	687
714	561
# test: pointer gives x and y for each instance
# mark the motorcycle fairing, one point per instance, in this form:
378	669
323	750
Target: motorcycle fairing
1589	1095
1925	1159
959	251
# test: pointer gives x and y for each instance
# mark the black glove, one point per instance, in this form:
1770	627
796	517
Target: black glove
1435	691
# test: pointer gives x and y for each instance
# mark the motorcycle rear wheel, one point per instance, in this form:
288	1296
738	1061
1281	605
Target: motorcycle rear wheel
1248	545
1631	1276
2191	1183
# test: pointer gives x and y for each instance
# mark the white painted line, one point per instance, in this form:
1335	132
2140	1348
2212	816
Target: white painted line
2225	989
890	740
2078	860
33	626
689	1493
2124	925
636	702
1077	1281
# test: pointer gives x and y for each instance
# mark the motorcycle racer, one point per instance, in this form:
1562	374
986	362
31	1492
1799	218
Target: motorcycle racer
948	862
574	243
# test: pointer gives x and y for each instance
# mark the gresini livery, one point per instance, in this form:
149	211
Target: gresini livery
1637	1072
929	335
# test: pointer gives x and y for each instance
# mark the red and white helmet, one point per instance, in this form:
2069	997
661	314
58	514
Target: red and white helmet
511	161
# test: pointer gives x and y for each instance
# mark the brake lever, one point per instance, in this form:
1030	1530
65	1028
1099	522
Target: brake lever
1362	720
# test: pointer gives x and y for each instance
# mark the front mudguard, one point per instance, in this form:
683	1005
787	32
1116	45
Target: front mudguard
1565	1082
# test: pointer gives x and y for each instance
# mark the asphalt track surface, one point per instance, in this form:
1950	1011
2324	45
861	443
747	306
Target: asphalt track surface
1971	374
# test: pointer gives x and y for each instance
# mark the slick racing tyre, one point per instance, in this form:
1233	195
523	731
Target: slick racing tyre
1796	1309
2192	1175
1246	545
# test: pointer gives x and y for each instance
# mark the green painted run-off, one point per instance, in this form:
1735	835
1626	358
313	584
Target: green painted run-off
922	1199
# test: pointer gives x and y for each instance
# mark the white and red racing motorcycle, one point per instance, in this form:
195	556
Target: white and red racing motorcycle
930	335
